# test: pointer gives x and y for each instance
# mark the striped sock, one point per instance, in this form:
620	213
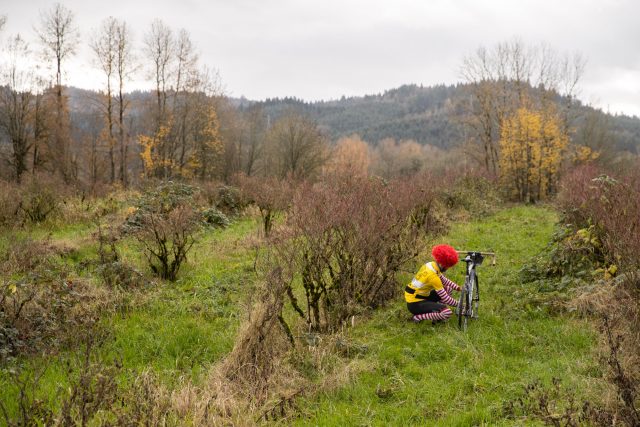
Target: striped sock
438	315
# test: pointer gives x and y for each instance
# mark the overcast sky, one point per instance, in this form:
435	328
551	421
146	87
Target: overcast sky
325	49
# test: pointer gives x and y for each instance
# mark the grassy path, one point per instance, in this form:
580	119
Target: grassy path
436	375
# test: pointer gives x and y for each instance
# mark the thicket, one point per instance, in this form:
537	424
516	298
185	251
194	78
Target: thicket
346	239
43	305
592	267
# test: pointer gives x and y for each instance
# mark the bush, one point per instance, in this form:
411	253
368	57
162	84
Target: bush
9	204
165	224
347	238
40	197
45	310
473	194
598	250
270	195
214	218
222	197
114	271
611	205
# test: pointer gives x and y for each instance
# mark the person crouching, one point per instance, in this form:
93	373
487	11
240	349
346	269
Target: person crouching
428	296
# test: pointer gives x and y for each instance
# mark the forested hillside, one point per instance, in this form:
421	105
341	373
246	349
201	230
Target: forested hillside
432	115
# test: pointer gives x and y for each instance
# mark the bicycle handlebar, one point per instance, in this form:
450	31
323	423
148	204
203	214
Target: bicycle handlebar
491	254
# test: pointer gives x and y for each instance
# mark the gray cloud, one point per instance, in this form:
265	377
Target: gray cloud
325	49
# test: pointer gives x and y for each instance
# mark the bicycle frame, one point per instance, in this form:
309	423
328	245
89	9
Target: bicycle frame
469	301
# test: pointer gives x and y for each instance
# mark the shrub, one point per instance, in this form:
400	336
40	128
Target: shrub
42	307
224	198
610	204
229	200
113	270
9	203
474	194
214	218
165	224
347	239
601	213
270	195
40	197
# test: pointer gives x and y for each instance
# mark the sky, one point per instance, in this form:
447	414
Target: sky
321	50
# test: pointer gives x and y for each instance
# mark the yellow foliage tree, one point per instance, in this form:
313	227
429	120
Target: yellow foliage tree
153	162
351	155
532	145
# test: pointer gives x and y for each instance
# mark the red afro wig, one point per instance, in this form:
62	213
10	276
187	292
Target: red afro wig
445	255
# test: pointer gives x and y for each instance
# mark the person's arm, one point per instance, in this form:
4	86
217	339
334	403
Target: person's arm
445	298
448	284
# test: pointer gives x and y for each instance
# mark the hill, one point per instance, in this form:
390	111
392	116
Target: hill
429	115
426	114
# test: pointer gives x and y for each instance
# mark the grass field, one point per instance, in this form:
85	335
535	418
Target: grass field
407	374
437	375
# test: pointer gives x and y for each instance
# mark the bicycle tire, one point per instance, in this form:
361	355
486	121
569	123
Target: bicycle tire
475	303
463	306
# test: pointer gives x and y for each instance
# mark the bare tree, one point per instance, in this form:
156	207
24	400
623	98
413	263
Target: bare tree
297	148
105	49
42	118
16	104
255	134
160	48
59	37
187	80
124	67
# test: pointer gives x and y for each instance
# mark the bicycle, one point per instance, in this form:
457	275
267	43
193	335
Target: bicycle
470	292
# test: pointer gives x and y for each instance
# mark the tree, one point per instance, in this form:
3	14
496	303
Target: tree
105	49
251	145
532	146
504	77
59	38
124	67
297	148
350	155
593	138
207	145
16	104
112	48
393	159
159	48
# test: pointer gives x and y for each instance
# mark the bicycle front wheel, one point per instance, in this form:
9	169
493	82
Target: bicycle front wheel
463	307
475	303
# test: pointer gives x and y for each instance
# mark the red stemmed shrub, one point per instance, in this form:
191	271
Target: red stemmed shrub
347	238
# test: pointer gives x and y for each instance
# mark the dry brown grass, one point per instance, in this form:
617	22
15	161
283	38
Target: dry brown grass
619	341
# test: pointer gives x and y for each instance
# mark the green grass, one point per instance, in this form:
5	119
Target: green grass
437	375
413	374
185	326
178	330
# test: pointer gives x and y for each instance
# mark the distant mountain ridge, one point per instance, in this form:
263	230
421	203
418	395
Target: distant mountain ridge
427	114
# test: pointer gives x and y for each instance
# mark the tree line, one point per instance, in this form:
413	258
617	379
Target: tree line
516	116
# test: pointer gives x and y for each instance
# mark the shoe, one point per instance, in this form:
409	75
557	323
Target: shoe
413	319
